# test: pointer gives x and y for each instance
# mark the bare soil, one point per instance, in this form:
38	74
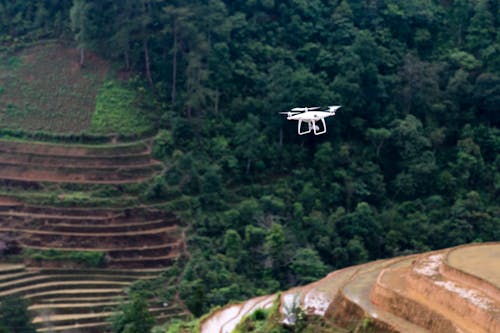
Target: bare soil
48	90
482	261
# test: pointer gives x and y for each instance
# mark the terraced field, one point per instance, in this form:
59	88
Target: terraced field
65	300
53	163
136	242
453	290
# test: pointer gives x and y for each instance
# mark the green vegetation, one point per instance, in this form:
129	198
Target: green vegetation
87	258
270	320
133	317
116	111
261	321
14	316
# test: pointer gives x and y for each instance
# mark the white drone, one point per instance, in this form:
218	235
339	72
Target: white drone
311	117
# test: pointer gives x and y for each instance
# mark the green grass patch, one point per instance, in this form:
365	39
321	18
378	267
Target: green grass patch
70	199
87	258
117	112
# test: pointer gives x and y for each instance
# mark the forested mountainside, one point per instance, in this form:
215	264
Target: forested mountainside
410	163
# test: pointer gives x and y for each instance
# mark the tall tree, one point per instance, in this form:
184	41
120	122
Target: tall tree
81	25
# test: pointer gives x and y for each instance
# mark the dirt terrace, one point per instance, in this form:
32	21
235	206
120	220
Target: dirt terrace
448	291
67	300
138	237
71	163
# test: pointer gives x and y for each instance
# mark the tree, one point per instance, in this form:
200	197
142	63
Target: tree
81	26
481	30
14	315
275	249
123	29
420	88
133	317
180	26
307	265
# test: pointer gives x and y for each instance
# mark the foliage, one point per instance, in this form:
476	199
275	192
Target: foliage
14	315
133	317
177	326
116	111
88	258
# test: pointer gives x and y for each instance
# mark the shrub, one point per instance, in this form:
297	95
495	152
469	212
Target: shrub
88	258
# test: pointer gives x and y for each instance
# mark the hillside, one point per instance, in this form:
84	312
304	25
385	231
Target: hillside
77	231
147	135
452	290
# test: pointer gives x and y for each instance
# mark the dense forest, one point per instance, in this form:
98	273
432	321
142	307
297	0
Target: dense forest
410	163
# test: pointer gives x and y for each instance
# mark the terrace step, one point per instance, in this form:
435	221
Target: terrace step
44	148
143	261
51	317
83	300
4	278
26	223
394	294
454	299
62	278
110	228
73	308
11	268
8	203
133	273
97	241
116	161
98	233
79	285
70	319
76	294
147	251
357	292
477	265
92	327
78	175
85	216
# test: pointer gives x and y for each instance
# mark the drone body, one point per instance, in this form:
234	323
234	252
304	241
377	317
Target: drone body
304	115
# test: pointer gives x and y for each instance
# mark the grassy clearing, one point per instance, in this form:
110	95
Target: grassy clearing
43	88
117	111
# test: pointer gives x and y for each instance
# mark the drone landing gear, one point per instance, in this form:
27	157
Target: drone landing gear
311	126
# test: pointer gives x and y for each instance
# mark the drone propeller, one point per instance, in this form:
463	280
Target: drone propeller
333	108
289	113
306	108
